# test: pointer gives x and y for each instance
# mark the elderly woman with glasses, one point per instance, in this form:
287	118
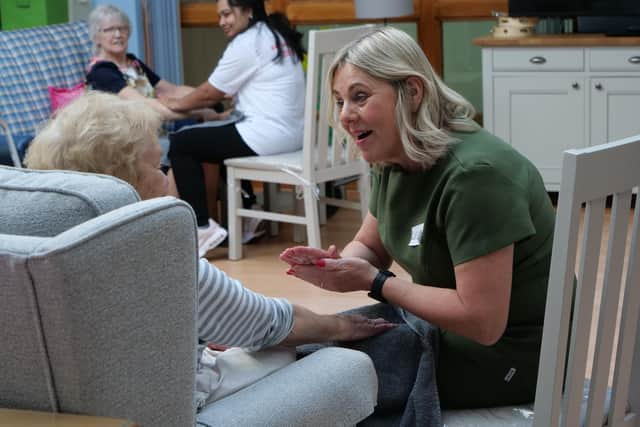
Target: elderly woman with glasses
113	69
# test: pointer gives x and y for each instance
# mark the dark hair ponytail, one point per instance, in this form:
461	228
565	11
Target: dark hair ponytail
277	23
281	24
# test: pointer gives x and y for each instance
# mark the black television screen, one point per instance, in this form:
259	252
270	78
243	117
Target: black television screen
572	8
611	17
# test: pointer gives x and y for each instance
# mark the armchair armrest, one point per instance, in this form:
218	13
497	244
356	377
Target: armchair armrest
21	418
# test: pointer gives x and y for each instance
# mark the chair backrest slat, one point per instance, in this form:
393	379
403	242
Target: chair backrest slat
624	376
605	336
325	152
322	149
589	176
583	307
558	308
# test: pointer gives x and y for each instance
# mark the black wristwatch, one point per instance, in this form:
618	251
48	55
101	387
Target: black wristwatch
376	286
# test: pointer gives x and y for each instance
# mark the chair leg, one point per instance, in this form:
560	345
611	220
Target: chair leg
270	201
234	202
313	220
299	234
363	190
322	206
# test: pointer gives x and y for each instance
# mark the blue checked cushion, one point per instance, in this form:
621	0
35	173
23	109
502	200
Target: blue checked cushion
33	59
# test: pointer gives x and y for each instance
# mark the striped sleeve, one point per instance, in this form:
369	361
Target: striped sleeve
230	314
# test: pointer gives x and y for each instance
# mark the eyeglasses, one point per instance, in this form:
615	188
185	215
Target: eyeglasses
123	29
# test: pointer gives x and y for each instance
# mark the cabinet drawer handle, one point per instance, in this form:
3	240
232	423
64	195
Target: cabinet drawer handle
599	86
575	85
635	59
542	60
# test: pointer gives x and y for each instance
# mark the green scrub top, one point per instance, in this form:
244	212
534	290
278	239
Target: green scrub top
480	197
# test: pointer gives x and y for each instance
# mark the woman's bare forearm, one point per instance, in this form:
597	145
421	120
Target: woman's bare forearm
309	327
358	249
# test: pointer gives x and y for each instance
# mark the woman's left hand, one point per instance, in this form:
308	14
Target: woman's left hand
337	274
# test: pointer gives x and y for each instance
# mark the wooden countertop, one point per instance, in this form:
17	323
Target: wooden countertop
557	40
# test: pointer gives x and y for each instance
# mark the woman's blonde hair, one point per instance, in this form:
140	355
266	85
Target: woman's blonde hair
391	55
98	133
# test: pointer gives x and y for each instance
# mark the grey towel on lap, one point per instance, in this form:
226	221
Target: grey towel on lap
404	359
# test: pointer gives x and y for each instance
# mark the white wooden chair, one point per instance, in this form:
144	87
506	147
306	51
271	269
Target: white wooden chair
323	157
609	392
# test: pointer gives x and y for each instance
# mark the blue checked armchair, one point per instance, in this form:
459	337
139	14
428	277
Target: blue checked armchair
31	60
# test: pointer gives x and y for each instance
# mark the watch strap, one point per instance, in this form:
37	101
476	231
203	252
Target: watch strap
378	282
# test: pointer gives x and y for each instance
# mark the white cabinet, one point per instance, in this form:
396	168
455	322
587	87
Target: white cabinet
615	108
541	118
544	100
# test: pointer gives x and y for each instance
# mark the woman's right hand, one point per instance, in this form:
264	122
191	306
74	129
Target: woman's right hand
304	255
337	274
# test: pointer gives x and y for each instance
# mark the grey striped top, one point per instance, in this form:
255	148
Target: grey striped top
232	315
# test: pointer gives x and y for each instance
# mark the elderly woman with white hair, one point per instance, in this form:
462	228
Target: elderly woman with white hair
464	213
101	133
113	69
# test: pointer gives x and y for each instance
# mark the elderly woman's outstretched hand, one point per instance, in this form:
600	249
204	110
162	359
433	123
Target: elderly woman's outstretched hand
356	327
326	270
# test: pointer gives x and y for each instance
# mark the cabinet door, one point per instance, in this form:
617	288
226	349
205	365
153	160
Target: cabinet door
615	108
541	117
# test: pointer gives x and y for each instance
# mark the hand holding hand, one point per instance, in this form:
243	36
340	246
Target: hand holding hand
337	274
169	102
301	255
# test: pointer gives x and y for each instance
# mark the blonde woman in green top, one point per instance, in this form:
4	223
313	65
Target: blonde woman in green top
461	211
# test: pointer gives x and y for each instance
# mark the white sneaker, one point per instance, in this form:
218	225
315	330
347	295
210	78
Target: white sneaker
210	237
250	226
250	229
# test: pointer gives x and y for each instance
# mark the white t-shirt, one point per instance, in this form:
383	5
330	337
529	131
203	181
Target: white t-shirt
269	93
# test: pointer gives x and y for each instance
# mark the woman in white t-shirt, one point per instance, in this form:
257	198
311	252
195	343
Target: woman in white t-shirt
261	69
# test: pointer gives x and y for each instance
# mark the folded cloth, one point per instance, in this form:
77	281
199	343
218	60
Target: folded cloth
405	361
